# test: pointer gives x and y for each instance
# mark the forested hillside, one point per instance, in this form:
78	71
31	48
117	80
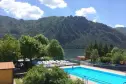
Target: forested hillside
72	32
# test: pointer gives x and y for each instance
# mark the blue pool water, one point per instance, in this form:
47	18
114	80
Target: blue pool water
97	76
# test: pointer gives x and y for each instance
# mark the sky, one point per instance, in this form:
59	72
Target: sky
110	12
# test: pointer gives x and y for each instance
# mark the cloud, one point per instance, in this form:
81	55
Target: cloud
54	3
21	9
119	25
95	19
85	11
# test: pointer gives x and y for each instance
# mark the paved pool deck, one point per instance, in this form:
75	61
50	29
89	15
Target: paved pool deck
95	68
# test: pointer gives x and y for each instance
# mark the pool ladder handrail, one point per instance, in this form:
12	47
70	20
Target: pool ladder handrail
96	80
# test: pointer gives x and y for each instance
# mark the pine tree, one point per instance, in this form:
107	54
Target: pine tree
111	47
88	52
100	49
95	45
106	50
94	55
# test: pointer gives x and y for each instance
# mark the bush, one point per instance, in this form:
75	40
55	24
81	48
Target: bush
36	75
78	81
47	58
105	59
117	57
109	55
41	75
57	76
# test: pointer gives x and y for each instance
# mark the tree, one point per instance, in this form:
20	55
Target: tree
88	52
36	75
117	57
42	39
100	50
95	45
55	50
94	55
111	47
106	50
30	47
9	49
105	59
42	75
115	49
57	76
78	81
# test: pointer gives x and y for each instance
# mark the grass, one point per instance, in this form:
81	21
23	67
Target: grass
18	81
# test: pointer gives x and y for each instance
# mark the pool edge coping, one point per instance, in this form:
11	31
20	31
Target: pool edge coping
100	69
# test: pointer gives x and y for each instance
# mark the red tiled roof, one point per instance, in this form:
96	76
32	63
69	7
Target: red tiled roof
6	65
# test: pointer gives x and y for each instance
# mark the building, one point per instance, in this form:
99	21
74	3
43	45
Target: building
6	72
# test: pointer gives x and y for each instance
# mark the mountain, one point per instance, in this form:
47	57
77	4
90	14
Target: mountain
122	30
71	32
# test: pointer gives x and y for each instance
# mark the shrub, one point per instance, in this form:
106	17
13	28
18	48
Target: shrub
57	76
78	81
41	75
105	59
109	55
117	57
36	75
47	58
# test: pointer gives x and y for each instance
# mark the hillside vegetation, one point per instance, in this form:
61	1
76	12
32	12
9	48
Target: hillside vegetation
71	32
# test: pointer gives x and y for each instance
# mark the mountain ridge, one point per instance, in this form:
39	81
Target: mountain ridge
121	29
70	31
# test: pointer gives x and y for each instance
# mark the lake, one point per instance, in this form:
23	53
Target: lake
73	53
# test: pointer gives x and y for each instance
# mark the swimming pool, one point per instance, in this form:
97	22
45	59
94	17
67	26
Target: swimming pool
100	77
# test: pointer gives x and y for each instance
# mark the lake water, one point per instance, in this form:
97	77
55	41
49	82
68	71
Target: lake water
73	53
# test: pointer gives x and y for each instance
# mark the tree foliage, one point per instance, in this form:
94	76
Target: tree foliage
94	55
42	39
106	53
12	49
36	75
42	75
29	47
9	48
55	50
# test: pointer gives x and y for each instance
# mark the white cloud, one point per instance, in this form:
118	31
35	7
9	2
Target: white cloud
54	3
21	9
119	25
95	19
85	11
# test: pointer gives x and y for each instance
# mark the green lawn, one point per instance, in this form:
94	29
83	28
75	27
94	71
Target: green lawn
18	81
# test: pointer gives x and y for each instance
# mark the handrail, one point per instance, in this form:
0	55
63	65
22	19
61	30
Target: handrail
93	79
